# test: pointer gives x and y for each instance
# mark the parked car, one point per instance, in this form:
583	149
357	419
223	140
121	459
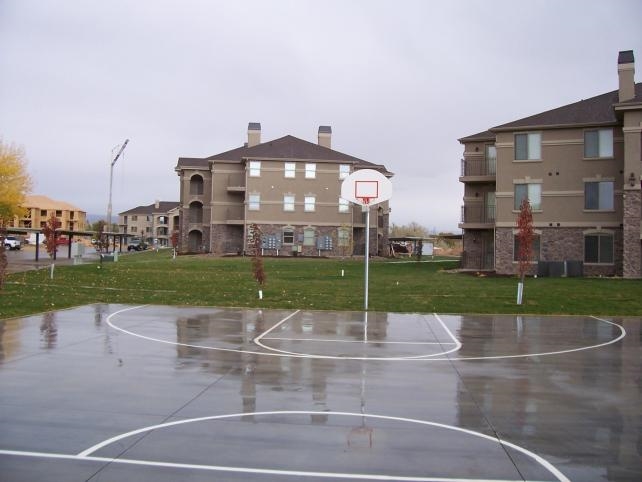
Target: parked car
12	242
136	245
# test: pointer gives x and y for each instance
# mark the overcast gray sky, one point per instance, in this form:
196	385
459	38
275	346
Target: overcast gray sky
398	81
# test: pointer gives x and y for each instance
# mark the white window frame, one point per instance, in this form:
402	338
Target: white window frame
344	205
310	170
309	204
600	235
344	171
255	169
604	143
533	146
289	202
605	195
309	235
289	170
254	202
343	237
287	231
530	195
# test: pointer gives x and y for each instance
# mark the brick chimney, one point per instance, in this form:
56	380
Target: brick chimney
325	136
156	204
253	134
626	73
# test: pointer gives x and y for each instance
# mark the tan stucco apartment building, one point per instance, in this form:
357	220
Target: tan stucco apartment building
579	165
153	223
288	187
38	210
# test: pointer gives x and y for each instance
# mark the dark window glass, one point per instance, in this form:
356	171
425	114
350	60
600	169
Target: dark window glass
521	146
591	144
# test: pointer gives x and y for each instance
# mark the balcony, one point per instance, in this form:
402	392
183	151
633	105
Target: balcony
478	170
477	261
477	217
235	214
236	182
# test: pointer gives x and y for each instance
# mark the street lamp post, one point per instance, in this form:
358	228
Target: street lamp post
111	181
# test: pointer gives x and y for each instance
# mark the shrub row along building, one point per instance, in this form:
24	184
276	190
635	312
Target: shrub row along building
579	166
288	187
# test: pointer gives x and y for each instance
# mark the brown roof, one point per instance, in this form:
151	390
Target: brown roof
594	111
480	136
163	207
287	147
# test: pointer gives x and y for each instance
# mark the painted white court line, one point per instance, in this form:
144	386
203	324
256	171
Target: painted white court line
559	352
214	468
457	346
378	342
433	357
86	454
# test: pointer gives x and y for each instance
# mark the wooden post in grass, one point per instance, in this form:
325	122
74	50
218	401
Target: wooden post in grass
525	244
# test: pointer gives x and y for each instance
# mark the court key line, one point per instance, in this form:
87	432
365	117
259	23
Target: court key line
494	439
433	357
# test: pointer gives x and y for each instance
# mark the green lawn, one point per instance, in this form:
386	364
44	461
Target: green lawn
301	283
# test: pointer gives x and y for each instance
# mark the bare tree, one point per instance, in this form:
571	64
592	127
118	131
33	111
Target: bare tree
525	237
258	270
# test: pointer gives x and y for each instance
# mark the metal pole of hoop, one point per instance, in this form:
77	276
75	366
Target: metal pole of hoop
366	207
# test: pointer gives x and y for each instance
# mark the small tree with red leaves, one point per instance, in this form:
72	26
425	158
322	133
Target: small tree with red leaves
51	238
525	237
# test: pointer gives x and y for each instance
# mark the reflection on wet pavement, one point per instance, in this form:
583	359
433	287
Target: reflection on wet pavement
412	395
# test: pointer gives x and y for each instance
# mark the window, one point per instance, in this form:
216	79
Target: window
196	185
288	202
598	195
528	146
290	169
134	218
254	202
288	236
58	213
309	203
255	168
532	192
491	159
598	248
43	213
133	229
534	251
344	205
598	143
343	237
344	171
308	236
310	171
195	212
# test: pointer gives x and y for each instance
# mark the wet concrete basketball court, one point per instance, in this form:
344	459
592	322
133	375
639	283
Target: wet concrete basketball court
114	392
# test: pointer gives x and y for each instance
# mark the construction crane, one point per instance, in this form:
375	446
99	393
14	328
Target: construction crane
111	179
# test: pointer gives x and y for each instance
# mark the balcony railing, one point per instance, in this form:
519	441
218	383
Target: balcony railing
477	261
478	214
478	167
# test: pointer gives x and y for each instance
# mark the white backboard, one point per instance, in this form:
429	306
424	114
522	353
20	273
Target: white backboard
366	187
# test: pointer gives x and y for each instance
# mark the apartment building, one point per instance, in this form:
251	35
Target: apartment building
39	209
579	165
288	187
153	223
